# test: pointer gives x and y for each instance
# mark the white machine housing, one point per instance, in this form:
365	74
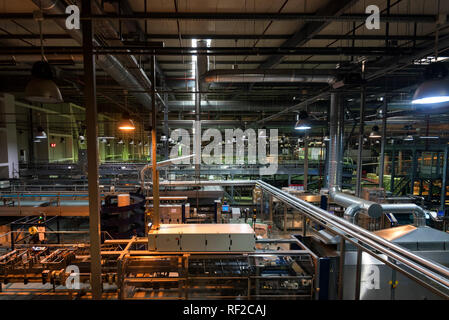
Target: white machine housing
202	238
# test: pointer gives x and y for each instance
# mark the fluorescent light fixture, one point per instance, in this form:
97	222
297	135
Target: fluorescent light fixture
430	137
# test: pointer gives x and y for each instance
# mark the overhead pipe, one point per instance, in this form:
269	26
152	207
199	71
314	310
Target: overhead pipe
363	236
268	75
136	81
355	204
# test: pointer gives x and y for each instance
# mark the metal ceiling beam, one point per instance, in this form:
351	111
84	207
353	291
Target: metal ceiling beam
321	15
228	37
310	29
217	51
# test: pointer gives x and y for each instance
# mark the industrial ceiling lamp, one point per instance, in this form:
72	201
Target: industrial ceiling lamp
436	87
120	141
40	133
409	137
302	121
126	124
41	87
375	134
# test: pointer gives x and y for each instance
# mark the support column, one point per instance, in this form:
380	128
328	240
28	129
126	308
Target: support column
358	189
285	217
155	177
306	163
444	179
9	157
92	152
271	208
383	143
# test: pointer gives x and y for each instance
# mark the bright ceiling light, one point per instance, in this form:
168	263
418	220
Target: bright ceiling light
436	87
303	123
432	92
375	133
126	124
41	133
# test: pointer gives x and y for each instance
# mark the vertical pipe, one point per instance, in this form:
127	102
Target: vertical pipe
92	152
340	139
333	144
285	217
166	131
444	179
358	190
414	166
393	169
271	208
306	163
156	220
358	274
341	268
383	143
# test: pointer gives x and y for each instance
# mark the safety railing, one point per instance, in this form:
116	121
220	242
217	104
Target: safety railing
427	273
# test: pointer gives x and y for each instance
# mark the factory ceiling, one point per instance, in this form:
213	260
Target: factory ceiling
326	36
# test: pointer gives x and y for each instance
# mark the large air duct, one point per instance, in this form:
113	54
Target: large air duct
354	204
269	75
134	79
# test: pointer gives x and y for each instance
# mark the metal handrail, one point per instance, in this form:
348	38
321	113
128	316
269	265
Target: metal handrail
431	270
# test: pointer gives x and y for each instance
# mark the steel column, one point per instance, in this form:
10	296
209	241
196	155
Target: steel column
92	152
444	181
306	163
358	190
383	142
341	268
358	274
155	177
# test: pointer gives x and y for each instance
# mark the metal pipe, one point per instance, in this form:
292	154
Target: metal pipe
383	142
419	213
268	75
110	64
397	252
374	210
333	145
352	211
358	188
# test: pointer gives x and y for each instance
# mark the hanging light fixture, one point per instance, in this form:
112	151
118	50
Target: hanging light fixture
40	133
435	89
375	134
302	121
120	141
126	124
41	87
409	137
131	142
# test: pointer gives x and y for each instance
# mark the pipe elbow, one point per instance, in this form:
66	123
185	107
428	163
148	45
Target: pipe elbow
352	211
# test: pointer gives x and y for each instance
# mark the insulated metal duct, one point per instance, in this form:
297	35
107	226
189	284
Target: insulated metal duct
374	210
260	75
138	81
354	204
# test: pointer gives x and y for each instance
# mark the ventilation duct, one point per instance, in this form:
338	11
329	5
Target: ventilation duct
278	75
354	204
135	81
